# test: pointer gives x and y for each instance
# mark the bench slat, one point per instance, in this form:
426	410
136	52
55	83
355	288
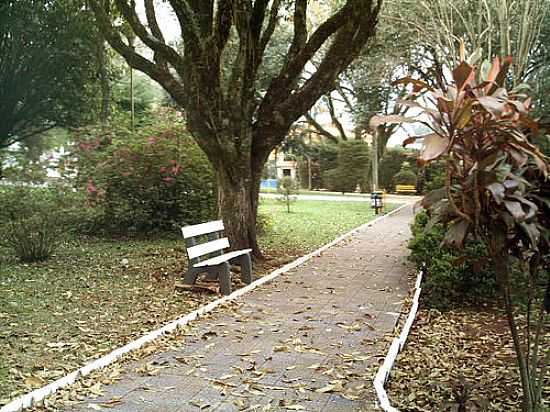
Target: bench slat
208	247
223	258
202	229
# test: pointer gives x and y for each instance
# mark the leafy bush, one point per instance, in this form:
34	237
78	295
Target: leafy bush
149	179
288	189
352	170
35	221
452	275
390	165
433	176
405	176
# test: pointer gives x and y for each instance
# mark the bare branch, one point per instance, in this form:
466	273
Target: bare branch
156	44
334	118
342	92
358	28
188	22
320	129
154	26
161	74
271	25
152	20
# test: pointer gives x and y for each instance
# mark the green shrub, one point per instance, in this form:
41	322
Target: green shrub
34	221
434	176
405	176
153	178
451	275
33	239
287	187
352	168
390	165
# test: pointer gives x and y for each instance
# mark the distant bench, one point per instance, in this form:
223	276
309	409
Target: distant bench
205	250
405	189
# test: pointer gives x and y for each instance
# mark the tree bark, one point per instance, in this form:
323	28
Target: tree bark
238	196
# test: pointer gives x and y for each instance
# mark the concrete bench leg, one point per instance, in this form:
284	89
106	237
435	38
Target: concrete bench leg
190	276
212	275
246	269
225	279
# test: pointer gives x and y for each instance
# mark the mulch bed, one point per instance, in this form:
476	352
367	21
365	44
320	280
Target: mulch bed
459	356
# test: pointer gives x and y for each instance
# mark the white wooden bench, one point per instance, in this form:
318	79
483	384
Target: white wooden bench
205	252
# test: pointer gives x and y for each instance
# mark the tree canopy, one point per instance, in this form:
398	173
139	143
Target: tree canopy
47	66
214	76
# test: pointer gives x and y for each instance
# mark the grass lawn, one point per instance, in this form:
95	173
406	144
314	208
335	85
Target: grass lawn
311	223
320	193
95	295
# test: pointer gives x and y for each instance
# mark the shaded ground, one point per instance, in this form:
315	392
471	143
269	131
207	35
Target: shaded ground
311	340
96	295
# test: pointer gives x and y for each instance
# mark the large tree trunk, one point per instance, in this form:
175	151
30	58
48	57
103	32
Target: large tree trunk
238	195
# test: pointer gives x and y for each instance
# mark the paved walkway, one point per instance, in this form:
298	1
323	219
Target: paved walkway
309	341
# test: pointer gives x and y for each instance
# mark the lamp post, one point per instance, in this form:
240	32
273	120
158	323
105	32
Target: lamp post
375	160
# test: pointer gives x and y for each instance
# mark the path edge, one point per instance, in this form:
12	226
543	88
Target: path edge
396	347
28	400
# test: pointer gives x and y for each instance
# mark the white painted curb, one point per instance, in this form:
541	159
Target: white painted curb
396	346
26	401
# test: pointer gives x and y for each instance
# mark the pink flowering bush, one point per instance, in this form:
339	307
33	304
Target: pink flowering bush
153	178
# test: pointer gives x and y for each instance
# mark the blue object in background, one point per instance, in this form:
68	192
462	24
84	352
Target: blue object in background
268	184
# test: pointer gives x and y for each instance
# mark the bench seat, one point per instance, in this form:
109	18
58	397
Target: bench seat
217	260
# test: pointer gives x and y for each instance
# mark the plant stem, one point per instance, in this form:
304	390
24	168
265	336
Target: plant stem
503	276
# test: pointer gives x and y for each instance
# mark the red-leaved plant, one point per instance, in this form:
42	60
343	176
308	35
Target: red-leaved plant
497	191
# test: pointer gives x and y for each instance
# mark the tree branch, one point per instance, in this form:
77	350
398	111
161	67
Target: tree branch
350	39
154	43
223	20
320	129
300	28
341	91
189	24
334	118
271	25
161	74
154	27
152	20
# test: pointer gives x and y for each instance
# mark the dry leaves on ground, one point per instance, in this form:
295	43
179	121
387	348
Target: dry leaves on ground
454	353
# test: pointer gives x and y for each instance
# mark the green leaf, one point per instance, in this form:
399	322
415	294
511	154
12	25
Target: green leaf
433	197
515	209
532	232
497	191
456	233
485	70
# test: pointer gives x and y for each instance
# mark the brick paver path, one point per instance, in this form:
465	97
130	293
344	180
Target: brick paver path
309	341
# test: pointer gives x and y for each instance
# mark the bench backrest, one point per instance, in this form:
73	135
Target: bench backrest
214	245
